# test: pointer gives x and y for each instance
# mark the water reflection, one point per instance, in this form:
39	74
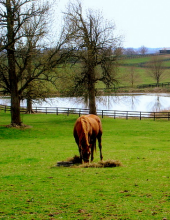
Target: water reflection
120	102
123	102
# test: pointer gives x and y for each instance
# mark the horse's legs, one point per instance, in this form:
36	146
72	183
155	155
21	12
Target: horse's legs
92	146
79	147
80	152
92	150
100	146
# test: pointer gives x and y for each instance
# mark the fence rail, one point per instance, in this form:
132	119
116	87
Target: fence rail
103	113
141	86
153	85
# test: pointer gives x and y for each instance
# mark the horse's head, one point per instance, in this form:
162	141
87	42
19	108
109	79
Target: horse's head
86	153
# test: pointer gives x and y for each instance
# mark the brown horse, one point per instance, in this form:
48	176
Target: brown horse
86	129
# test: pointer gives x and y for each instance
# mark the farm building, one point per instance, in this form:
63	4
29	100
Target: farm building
165	51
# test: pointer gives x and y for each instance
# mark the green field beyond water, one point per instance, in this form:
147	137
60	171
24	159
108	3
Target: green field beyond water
32	187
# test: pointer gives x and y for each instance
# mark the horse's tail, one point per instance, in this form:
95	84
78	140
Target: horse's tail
84	124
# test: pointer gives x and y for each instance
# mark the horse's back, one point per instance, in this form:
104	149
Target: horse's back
97	119
78	126
94	122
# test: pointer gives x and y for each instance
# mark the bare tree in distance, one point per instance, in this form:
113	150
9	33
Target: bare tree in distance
131	75
143	50
156	68
129	51
94	42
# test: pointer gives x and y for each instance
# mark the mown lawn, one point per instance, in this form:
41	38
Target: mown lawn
32	187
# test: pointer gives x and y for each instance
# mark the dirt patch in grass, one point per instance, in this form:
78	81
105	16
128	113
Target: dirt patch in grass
76	163
101	164
22	126
74	160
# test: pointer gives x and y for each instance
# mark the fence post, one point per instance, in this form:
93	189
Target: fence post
168	116
5	109
154	116
46	110
102	113
127	115
140	116
68	112
114	114
56	111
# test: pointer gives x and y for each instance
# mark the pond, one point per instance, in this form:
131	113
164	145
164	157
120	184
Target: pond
124	102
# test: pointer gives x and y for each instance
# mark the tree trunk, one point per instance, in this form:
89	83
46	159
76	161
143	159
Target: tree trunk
92	102
15	100
29	106
91	88
15	108
29	70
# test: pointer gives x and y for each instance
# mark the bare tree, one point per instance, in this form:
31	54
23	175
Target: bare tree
94	43
143	50
23	24
129	51
131	75
156	68
13	15
30	61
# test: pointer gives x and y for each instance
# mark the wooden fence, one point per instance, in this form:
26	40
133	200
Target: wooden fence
103	113
153	85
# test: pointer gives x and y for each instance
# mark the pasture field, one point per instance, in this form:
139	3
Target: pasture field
136	61
32	187
142	75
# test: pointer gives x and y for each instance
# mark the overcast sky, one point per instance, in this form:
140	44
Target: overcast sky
141	22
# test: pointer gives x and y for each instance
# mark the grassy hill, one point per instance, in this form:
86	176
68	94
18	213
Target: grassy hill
138	64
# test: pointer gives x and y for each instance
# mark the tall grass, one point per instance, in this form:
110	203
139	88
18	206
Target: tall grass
32	187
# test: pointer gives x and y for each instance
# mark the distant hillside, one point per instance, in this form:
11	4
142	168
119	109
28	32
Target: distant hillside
149	50
153	50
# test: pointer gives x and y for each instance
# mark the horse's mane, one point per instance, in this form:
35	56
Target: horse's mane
85	128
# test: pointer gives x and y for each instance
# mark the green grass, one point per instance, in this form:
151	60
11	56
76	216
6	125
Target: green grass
167	63
144	77
136	61
32	187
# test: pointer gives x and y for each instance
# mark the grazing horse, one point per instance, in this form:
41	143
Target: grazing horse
87	129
